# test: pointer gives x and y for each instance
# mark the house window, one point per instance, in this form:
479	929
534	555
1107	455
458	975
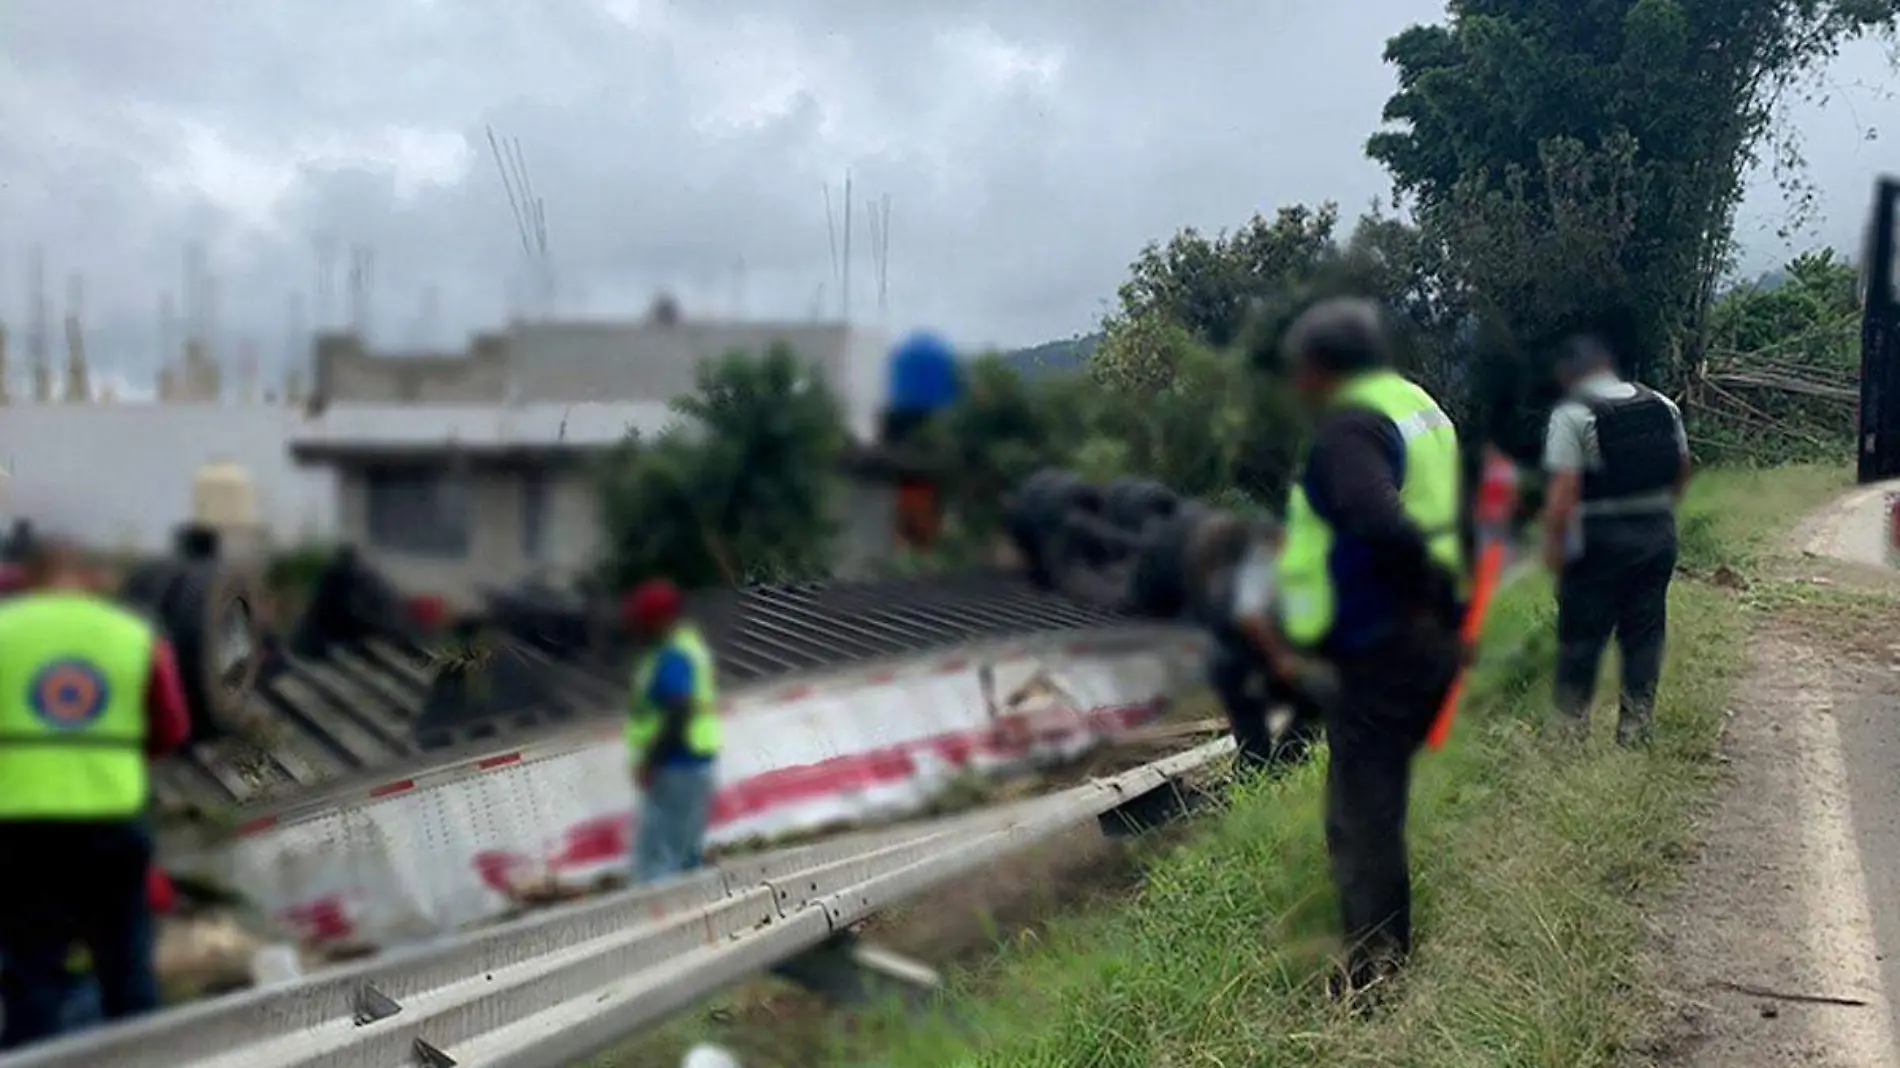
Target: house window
534	513
419	510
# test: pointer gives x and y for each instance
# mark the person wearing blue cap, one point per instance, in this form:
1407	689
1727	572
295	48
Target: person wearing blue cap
926	378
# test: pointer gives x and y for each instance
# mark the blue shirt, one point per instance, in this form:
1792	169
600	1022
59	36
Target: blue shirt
925	375
673	683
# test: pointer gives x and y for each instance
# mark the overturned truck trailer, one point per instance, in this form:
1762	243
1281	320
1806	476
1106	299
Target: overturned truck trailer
358	686
390	780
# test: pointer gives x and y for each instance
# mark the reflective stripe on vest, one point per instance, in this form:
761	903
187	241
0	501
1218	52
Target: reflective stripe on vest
1428	493
702	726
73	675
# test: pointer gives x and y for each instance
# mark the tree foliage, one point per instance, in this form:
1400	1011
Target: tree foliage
1207	284
741	491
1559	166
1007	427
1675	99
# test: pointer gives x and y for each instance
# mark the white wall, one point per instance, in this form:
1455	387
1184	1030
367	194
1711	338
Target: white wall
120	475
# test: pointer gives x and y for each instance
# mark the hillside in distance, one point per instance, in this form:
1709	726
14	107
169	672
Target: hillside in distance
1052	357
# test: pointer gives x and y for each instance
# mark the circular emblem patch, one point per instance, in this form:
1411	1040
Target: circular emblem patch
69	695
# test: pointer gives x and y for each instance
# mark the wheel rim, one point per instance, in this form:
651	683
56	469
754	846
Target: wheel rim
236	648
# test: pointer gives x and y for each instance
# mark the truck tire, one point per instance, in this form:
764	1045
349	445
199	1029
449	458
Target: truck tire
1038	517
1133	503
1158	584
212	615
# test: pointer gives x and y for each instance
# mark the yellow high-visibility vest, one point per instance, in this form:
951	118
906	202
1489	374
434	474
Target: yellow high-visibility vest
1429	494
703	732
73	674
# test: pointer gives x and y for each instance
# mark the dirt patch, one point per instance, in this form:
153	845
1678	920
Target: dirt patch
1770	955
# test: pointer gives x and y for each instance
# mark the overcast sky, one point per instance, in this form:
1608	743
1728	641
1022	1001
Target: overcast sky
1028	149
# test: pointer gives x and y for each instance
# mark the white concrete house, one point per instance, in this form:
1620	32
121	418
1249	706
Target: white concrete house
459	471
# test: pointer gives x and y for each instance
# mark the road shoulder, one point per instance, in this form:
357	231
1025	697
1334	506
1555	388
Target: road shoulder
1769	952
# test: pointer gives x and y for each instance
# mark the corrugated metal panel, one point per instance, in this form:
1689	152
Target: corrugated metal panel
778	630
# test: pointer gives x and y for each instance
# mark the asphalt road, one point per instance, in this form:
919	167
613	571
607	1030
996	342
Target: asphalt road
1866	708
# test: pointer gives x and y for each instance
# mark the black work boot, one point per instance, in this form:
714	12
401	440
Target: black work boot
1362	982
1633	725
1569	728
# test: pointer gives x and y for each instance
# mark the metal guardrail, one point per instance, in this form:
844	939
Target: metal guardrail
550	989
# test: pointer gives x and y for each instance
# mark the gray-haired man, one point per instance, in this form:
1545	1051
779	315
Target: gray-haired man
1618	462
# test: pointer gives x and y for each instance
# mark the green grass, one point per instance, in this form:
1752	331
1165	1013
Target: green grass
1528	862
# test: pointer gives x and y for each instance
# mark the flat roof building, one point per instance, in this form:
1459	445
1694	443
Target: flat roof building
455	471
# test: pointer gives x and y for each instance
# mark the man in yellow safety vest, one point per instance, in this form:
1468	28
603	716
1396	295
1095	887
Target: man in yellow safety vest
673	731
1366	607
88	693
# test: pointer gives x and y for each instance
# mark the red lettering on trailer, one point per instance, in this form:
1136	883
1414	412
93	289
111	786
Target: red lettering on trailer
587	844
494	762
604	839
399	787
324	919
956	664
957	749
496	869
256	826
608	838
596	841
1014	732
796	693
881	678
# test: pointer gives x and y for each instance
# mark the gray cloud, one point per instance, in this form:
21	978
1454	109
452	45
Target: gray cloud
671	141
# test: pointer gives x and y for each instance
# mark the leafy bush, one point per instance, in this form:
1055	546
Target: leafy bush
741	491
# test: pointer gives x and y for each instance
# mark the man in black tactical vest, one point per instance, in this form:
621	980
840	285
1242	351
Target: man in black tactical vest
1618	462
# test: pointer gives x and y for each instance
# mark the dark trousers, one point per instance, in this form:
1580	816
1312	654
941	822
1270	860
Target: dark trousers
1619	587
1388	698
1248	691
64	885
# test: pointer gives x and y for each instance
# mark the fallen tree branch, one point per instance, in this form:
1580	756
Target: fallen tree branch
1777	995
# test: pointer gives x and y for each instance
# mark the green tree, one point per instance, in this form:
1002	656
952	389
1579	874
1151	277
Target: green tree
1209	284
1685	92
1205	421
1006	427
740	491
1545	250
1185	366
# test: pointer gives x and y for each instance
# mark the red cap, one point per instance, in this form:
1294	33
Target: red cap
159	892
653	605
427	611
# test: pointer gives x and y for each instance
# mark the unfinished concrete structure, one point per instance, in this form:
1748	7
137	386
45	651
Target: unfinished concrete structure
653	359
459	469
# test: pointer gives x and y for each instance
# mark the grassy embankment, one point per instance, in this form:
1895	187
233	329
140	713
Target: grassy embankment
1529	863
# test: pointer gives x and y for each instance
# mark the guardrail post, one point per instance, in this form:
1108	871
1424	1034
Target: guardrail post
1170	801
845	970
